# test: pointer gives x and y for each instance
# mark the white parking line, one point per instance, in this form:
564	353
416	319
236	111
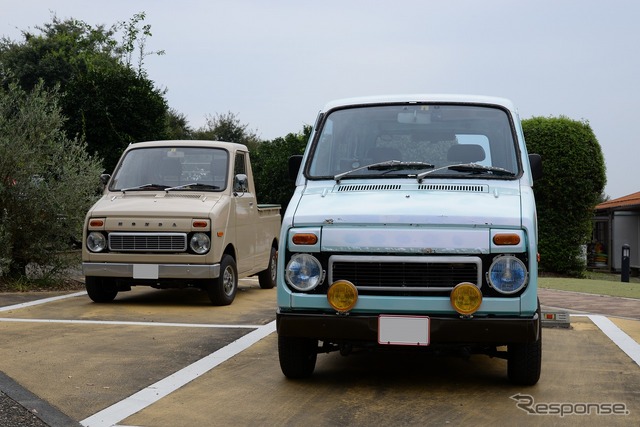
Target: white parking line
124	323
138	401
618	336
40	301
110	416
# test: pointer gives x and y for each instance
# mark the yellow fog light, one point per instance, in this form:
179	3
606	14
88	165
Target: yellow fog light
342	295
466	298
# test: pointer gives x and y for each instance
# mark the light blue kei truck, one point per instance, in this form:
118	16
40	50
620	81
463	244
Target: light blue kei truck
413	224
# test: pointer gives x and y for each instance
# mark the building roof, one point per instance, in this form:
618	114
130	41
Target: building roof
631	201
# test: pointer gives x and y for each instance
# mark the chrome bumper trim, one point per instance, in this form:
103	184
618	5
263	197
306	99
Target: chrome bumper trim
165	271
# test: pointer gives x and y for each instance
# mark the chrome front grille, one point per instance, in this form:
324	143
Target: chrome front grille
405	273
148	242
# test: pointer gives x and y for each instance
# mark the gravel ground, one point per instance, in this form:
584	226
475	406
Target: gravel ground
21	408
12	414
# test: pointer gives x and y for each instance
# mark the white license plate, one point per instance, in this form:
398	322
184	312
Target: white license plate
403	330
145	271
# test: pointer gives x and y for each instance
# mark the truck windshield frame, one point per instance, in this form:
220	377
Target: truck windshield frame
182	168
349	139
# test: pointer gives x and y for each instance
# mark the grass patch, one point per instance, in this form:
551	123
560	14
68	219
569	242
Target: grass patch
594	283
60	276
39	285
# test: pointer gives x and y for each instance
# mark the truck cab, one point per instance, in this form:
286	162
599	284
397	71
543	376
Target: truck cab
180	214
413	224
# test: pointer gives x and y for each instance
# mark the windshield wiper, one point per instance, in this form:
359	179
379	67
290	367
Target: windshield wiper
475	168
469	167
192	185
387	165
144	187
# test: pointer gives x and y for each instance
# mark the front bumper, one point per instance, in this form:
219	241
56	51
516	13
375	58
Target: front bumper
164	271
443	330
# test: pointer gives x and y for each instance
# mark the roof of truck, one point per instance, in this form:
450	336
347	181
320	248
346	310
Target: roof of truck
188	143
417	98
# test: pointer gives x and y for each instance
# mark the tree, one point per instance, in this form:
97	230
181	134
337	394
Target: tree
47	181
269	159
271	168
108	101
574	178
227	127
178	125
112	108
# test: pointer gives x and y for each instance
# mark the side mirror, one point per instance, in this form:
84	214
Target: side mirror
104	178
295	162
240	183
535	162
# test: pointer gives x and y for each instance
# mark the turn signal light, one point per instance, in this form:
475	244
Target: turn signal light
96	223
304	239
506	239
342	295
466	298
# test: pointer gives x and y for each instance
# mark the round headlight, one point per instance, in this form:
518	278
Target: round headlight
96	242
507	274
200	243
304	272
342	295
466	298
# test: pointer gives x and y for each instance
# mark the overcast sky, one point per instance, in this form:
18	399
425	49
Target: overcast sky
275	63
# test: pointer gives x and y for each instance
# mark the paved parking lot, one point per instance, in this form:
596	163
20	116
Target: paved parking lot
169	358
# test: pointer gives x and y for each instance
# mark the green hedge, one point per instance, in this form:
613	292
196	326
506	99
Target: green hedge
572	184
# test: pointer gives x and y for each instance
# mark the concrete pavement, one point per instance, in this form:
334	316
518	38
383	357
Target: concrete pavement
625	314
576	302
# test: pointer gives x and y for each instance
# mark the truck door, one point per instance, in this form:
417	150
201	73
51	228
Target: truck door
246	216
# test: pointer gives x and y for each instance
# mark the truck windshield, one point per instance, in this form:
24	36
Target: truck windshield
456	141
175	168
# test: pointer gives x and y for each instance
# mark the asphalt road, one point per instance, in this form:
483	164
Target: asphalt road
169	358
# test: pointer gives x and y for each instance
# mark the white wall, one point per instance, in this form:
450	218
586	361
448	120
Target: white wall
626	230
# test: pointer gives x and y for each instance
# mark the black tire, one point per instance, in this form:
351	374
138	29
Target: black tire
524	360
101	289
267	278
297	356
223	290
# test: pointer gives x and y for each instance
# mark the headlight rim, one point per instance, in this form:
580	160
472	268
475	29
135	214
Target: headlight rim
202	249
453	297
289	272
502	258
332	299
93	240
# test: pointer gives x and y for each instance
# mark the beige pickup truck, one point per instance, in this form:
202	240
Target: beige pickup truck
180	214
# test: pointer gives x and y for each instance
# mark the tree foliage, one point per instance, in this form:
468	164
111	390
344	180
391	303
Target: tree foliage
574	178
271	167
227	127
269	159
178	125
107	100
47	181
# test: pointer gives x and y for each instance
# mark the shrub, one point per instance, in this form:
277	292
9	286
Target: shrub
574	178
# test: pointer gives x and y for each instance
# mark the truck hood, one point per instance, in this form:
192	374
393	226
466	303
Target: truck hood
402	204
153	204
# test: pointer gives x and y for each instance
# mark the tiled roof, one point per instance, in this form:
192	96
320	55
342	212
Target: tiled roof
632	200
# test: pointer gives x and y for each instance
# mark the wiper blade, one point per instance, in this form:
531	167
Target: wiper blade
192	185
475	168
145	187
387	165
398	165
469	167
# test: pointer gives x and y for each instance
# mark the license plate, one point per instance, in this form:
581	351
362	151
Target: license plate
145	271
403	330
